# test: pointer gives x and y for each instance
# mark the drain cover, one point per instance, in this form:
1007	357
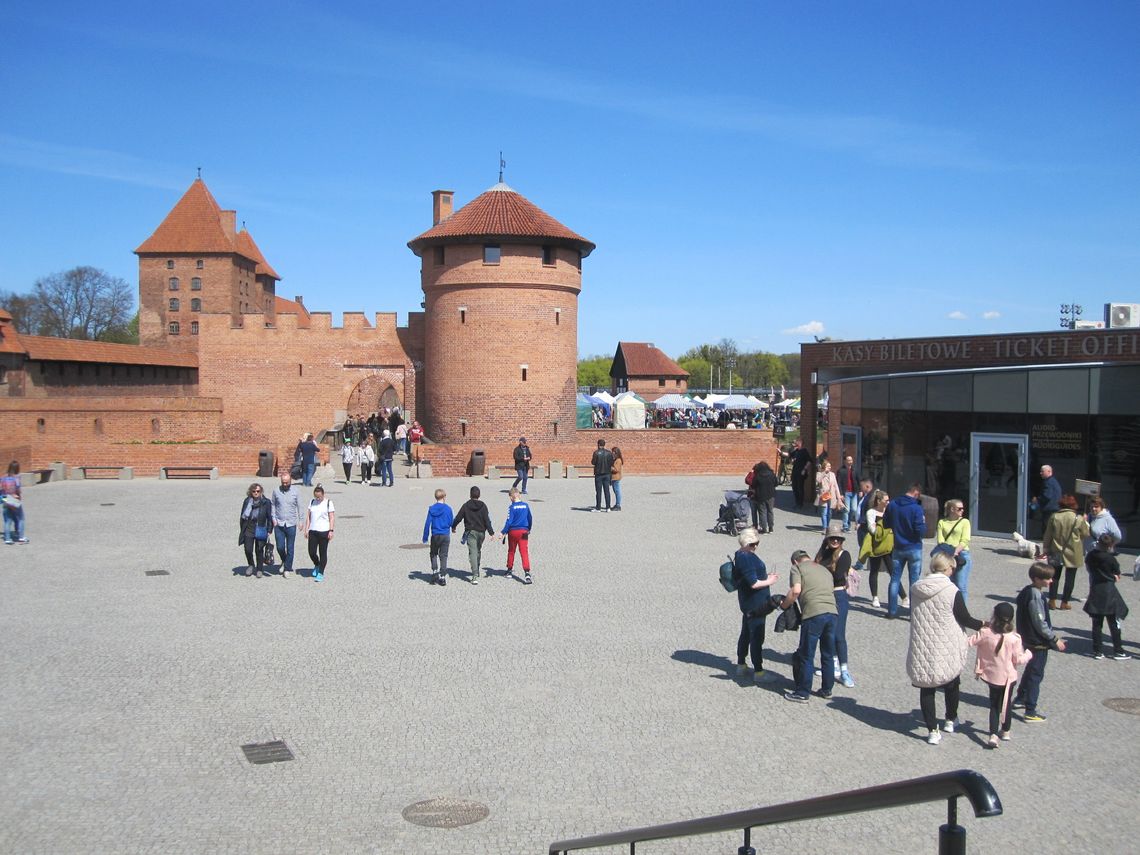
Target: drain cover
1124	705
445	813
660	492
158	572
260	753
106	504
414	545
350	517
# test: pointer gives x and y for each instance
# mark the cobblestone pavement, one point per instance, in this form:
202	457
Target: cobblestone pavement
599	698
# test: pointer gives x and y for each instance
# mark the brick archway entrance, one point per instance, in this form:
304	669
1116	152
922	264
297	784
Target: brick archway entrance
373	394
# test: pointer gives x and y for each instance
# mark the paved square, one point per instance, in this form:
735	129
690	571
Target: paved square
597	699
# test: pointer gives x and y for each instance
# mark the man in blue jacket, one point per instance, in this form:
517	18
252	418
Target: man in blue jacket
905	518
438	525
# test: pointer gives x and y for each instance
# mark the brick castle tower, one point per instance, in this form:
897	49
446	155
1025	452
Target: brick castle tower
501	280
197	261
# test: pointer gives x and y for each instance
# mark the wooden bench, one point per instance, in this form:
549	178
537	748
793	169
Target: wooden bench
584	470
42	475
175	472
83	473
509	471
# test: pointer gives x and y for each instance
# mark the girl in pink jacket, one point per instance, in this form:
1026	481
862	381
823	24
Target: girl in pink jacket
1000	652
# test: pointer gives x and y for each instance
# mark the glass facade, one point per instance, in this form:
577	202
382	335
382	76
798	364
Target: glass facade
1083	421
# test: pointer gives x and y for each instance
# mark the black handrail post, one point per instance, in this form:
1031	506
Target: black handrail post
951	836
747	849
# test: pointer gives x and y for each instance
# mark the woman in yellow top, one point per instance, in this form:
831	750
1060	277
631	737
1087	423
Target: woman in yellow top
954	530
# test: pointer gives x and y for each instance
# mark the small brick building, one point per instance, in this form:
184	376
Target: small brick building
640	367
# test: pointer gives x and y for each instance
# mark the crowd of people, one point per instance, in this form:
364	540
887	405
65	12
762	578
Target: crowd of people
889	535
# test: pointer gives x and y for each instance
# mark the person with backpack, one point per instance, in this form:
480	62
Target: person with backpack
761	481
752	581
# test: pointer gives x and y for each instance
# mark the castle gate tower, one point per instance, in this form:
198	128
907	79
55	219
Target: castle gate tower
501	280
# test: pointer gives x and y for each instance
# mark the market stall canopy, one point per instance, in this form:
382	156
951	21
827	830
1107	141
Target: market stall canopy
629	411
599	401
584	417
791	404
604	395
762	405
737	402
674	401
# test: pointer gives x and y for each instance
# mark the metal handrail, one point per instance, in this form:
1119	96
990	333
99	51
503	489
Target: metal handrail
947	785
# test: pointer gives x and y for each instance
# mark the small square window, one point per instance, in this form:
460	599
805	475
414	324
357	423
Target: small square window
170	264
193	328
174	328
195	305
438	254
548	256
661	382
492	252
175	305
199	264
173	283
196	284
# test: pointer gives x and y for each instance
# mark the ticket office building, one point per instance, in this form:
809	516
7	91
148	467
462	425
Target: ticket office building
976	418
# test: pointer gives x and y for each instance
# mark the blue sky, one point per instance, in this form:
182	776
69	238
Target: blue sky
759	171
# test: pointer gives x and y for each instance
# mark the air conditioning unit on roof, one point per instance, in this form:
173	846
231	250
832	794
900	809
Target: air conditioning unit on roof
1122	315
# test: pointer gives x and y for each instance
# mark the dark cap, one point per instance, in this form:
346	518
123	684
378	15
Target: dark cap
522	439
799	554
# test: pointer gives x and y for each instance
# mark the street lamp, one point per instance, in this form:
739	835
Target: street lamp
1069	314
731	363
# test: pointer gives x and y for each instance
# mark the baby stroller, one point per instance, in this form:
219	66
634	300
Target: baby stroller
735	514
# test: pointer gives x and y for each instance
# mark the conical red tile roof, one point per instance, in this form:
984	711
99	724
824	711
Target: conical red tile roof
247	247
193	225
500	213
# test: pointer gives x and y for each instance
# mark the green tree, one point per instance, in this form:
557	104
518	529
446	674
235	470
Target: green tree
83	303
792	361
595	371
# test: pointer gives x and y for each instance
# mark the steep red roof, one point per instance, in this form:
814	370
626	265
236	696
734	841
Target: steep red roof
193	225
50	349
9	338
291	307
247	247
641	359
500	213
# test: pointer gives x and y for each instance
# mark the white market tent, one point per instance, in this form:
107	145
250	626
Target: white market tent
629	411
674	401
792	403
604	395
763	405
711	398
737	402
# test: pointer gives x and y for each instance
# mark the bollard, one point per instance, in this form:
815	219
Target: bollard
951	836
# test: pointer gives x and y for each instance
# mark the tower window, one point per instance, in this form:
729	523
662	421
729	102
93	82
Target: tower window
199	264
579	262
438	254
557	317
170	264
523	368
196	284
548	256
41	426
492	252
174	328
98	425
173	283
462	314
155	426
193	328
175	305
195	305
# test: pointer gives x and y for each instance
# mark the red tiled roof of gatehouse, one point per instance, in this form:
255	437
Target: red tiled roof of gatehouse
500	213
247	247
291	307
48	349
9	338
644	360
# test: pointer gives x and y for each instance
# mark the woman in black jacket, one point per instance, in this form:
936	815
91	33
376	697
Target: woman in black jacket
1104	601
254	525
762	494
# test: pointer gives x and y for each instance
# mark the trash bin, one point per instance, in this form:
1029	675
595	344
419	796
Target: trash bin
478	463
779	431
266	463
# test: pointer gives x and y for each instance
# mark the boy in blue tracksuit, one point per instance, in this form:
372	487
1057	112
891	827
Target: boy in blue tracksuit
438	526
516	534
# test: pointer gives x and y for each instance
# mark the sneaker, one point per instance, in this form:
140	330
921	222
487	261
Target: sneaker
1034	717
9	542
741	669
763	677
22	540
825	694
616	507
474	578
902	596
317	577
1098	655
1065	607
1121	657
442	580
248	570
992	742
948	725
818	672
257	573
846	679
795	697
1005	736
527	580
1017	705
875	603
933	738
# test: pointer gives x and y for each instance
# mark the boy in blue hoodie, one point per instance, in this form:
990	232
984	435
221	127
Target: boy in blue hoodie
438	525
516	534
905	518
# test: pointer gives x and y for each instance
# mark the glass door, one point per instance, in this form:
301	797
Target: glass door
850	442
998	483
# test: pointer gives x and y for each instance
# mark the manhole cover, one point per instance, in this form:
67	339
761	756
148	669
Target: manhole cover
1124	705
660	492
350	517
158	572
445	813
414	545
106	504
259	753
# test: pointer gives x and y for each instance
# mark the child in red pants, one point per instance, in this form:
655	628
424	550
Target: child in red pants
516	533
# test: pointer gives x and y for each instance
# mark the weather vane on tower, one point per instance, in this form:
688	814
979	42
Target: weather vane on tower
502	166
